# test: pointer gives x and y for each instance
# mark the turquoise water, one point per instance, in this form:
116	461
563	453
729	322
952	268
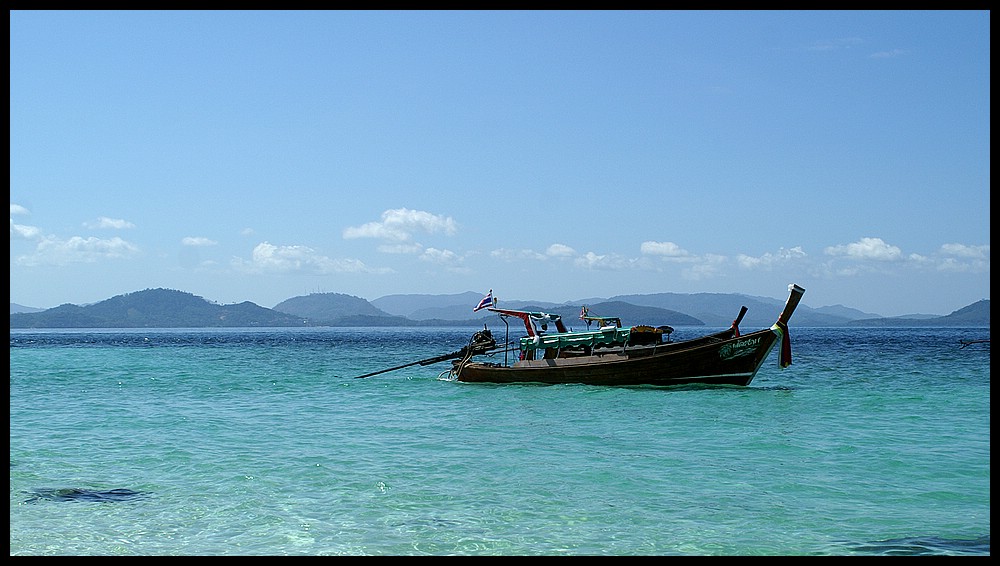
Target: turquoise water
261	442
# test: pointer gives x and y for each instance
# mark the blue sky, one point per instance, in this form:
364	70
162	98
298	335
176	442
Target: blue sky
557	156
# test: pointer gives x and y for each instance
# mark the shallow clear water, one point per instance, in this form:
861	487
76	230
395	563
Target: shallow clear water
261	442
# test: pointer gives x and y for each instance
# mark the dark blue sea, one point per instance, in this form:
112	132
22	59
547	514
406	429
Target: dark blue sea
263	442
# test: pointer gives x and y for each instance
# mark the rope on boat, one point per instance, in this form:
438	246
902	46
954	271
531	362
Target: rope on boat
470	351
456	367
479	343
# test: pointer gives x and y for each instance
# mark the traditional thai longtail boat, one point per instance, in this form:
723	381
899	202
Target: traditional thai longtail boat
613	355
637	355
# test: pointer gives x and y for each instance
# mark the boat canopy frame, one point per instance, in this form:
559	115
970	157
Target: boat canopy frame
535	323
610	334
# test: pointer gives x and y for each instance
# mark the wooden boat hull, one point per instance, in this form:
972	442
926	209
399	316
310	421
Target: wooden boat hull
719	359
618	356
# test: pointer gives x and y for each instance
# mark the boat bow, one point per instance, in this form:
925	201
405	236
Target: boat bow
781	326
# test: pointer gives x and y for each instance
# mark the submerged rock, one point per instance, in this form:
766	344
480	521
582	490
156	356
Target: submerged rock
77	494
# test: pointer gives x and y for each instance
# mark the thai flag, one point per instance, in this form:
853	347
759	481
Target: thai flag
486	302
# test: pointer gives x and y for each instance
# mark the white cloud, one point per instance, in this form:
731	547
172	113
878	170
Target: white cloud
667	249
399	248
435	255
54	251
560	250
962	250
447	259
22	232
398	225
766	261
198	242
113	223
960	258
507	254
611	262
865	249
268	258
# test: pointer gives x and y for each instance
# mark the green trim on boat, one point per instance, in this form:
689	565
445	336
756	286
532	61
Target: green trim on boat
593	338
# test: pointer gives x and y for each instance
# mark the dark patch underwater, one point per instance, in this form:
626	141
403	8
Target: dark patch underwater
88	495
926	546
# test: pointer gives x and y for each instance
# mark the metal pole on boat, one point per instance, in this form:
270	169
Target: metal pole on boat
506	339
481	343
425	362
421	362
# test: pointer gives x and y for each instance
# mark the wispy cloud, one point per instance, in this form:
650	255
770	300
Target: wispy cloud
449	260
612	262
103	222
874	254
413	248
960	258
198	242
435	255
962	250
23	232
769	260
866	255
77	249
835	44
269	258
507	254
887	54
52	250
708	266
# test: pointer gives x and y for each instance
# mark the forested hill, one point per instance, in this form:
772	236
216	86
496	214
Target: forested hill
156	308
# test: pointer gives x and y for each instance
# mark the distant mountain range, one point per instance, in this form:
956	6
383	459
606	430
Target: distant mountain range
166	308
154	308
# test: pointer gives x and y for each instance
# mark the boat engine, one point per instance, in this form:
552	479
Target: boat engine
482	341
